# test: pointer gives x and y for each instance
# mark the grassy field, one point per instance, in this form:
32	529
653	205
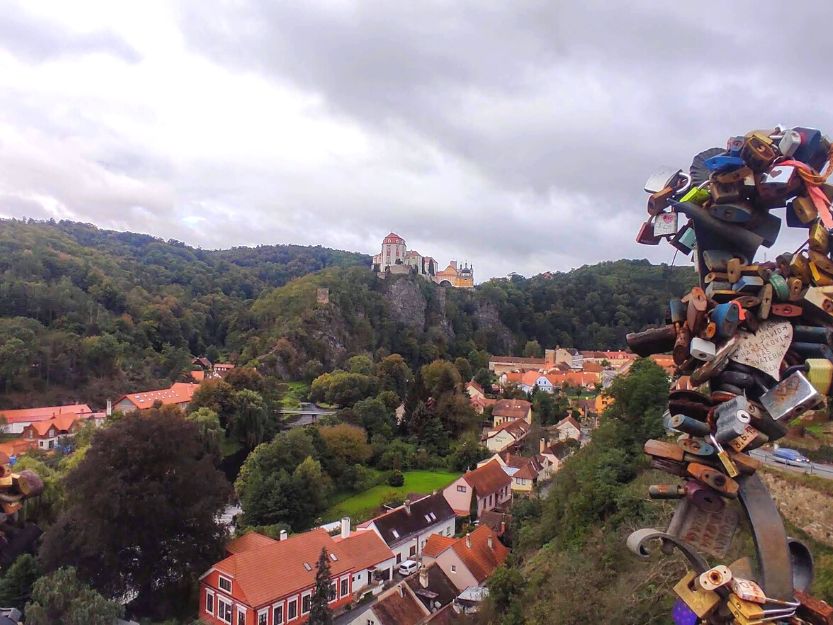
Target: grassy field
295	393
361	506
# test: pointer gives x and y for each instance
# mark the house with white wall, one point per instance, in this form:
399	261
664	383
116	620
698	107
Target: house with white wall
467	561
489	485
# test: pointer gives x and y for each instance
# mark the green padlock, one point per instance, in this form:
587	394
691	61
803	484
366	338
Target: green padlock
698	195
780	287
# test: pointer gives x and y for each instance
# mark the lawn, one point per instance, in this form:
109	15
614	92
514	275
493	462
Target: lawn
361	506
296	392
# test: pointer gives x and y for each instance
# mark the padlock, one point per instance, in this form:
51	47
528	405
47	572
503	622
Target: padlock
800	266
716	260
723	457
758	152
747	590
732	176
819	277
715	577
786	310
695	447
774	187
814	610
745	463
680	352
712	367
749	439
818	303
652	341
669	466
749	613
803	208
702	349
812	350
723	162
678	311
666	177
809	149
685	239
698	195
719	291
666	491
764	423
716	276
661	449
789	143
703	497
813	334
731	424
779	287
791	397
766	302
665	224
751	284
748	301
701	602
734	145
739	379
645	236
822	261
724	193
712	478
727	318
688	425
657	202
734	211
696	312
820	374
796	287
819	238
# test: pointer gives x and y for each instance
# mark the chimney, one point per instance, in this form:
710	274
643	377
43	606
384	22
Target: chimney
408	506
502	528
453	263
345	527
468	540
542	447
109	407
423	577
283	535
490	542
401	590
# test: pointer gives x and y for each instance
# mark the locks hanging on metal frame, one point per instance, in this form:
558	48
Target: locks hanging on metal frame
701	602
791	397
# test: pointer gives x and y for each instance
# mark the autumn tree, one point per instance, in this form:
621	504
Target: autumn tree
141	514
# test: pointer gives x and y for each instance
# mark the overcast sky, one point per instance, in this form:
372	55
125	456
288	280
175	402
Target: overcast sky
514	135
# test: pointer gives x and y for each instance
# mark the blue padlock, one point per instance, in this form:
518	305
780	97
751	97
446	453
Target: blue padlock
734	145
808	150
726	317
748	283
723	162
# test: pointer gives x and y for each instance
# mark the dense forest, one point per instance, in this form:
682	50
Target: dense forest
87	313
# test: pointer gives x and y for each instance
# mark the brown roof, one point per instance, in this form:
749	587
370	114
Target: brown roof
516	360
26	415
249	541
487	479
436	544
365	549
498	521
474	385
178	393
439	589
528	468
445	616
480	559
399	607
517	428
512	408
593	367
568	420
560	450
265	574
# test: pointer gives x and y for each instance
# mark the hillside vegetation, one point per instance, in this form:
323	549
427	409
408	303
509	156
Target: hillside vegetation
87	313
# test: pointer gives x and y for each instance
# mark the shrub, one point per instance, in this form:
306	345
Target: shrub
396	478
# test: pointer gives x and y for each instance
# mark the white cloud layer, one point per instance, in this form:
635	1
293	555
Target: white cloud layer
516	136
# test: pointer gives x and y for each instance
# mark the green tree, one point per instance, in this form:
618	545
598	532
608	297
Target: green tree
217	395
505	586
320	613
532	349
16	584
485	379
250	420
62	598
141	512
211	432
361	364
394	375
463	368
374	416
440	377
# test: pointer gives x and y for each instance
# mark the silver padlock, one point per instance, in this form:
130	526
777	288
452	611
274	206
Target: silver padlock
730	425
791	397
665	224
789	143
702	349
779	175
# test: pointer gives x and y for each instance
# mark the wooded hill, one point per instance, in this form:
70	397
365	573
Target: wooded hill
88	313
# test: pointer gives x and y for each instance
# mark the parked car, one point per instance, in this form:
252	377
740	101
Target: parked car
408	567
791	457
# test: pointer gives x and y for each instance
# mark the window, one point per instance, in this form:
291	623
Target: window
263	617
333	594
306	601
461	489
412	552
453	568
224	610
395	533
241	616
209	602
345	587
224	583
277	615
291	609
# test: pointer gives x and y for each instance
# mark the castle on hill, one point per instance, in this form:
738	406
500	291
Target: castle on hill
395	258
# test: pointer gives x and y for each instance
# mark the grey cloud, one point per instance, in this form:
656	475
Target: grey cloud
37	39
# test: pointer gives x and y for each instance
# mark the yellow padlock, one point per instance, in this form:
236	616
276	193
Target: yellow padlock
701	602
820	374
819	239
745	612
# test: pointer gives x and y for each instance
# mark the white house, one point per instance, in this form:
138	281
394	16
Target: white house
373	560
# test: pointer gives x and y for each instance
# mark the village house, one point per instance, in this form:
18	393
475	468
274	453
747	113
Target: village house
469	560
179	394
405	529
396	606
16	420
488	485
506	410
553	456
46	434
372	558
508	435
525	472
568	428
505	364
477	397
269	582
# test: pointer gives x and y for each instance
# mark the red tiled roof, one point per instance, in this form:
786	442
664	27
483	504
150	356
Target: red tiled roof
528	468
399	607
568	420
26	415
436	544
393	238
178	393
198	375
487	479
475	386
247	542
265	574
365	549
480	559
513	408
517	428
